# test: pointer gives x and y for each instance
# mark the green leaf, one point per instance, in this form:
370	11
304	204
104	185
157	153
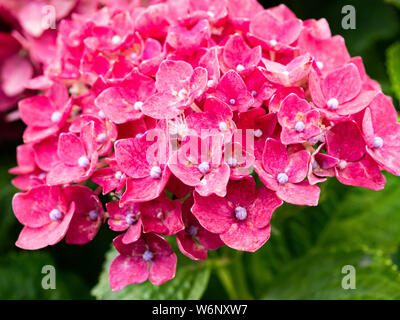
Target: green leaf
393	67
319	275
394	2
190	282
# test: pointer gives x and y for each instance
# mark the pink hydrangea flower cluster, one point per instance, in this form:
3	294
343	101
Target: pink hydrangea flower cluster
195	98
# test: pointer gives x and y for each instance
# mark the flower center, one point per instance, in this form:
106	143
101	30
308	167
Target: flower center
282	178
378	142
299	126
131	219
138	105
93	215
232	101
102	137
258	133
101	114
83	162
222	126
273	42
56	117
116	39
155	172
240	213
254	93
343	164
332	104
56	215
239	68
192	230
147	255
320	65
204	167
232	162
210	83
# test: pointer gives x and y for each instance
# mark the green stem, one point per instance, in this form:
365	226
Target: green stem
233	279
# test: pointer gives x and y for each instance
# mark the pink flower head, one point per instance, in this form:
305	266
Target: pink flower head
355	167
380	129
144	161
128	217
46	215
194	240
125	102
178	85
298	119
105	132
239	56
151	257
242	217
45	115
285	174
233	91
294	74
78	157
110	178
162	215
88	216
340	93
198	163
275	29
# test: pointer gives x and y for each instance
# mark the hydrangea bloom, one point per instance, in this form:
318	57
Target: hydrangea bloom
169	107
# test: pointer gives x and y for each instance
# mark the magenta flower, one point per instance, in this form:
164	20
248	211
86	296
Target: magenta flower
298	119
46	215
242	217
340	93
198	163
78	157
285	173
148	173
126	218
355	167
178	85
380	129
194	240
88	216
150	257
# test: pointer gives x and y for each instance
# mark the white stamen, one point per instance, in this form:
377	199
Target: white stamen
299	126
222	126
232	162
83	162
258	133
116	39
131	219
232	101
210	83
254	93
56	116
155	172
273	42
320	65
42	176
147	255
332	103
138	105
192	230
240	213
101	114
378	142
343	164
139	135
240	68
182	93
118	175
56	215
285	73
204	167
102	137
93	215
282	178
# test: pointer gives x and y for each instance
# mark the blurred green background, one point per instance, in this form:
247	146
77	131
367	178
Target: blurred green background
308	247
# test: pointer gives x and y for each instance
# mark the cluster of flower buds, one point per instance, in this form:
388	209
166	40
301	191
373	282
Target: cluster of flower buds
173	110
